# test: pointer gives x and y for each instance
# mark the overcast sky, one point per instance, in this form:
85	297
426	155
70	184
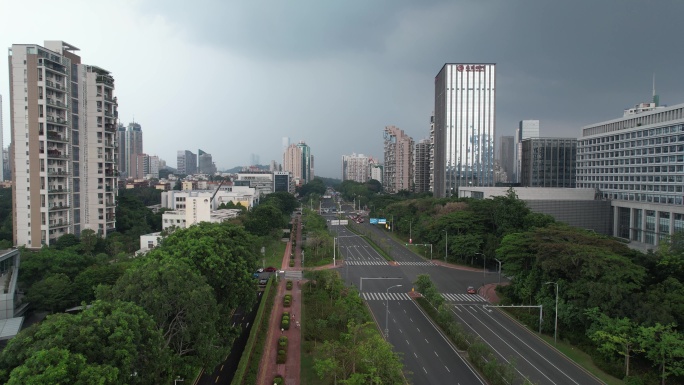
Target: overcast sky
234	77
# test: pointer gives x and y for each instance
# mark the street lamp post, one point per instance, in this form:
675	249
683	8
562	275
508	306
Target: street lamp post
499	262
484	265
555	328
334	249
446	245
177	380
387	310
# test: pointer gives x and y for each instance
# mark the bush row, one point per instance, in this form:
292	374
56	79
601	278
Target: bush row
288	285
281	358
248	367
285	320
287	300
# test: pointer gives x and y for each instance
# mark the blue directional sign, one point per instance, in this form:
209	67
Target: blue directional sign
382	221
373	221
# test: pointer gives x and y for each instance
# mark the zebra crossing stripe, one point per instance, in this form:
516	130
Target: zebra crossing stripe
385	296
463	297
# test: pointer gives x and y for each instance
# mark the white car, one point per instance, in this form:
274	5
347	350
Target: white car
260	270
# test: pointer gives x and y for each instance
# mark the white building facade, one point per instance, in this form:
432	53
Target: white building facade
464	127
637	161
63	129
356	167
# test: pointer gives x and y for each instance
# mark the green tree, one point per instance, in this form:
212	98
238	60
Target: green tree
265	219
614	335
183	307
54	293
664	346
117	335
88	241
224	253
36	266
60	366
88	280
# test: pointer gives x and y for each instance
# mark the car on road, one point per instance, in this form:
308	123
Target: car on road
270	269
260	270
263	281
471	290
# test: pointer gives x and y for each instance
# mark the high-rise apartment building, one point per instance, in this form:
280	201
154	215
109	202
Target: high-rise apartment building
464	127
377	171
526	129
6	164
63	128
355	167
205	163
421	168
307	162
507	158
548	162
637	161
186	162
398	151
133	149
2	146
292	161
298	161
121	146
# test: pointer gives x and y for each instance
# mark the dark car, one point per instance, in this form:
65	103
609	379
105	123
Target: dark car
471	290
270	269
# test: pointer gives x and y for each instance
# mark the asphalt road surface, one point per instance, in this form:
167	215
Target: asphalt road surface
426	353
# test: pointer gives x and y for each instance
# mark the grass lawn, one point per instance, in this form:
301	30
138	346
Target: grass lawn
307	374
584	360
273	255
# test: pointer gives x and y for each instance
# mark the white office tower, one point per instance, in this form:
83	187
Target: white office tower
63	129
527	129
464	127
637	161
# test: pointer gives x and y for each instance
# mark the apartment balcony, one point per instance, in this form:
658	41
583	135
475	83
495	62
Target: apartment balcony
59	208
55	137
56	103
55	225
54	190
110	173
57	173
54	154
110	204
56	120
55	86
55	68
108	114
106	80
110	127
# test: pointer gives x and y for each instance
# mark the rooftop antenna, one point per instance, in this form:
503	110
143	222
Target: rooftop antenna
656	98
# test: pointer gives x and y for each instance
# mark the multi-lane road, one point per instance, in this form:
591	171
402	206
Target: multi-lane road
427	354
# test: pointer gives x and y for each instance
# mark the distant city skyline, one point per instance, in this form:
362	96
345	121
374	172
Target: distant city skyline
338	88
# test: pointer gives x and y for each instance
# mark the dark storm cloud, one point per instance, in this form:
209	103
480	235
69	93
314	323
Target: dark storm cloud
566	63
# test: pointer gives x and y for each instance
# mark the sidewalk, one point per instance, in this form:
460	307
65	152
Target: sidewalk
290	370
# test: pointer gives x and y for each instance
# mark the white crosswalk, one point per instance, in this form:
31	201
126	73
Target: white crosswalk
375	262
415	263
463	297
385	296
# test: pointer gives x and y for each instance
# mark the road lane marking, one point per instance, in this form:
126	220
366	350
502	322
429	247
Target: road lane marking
426	340
418	330
221	367
436	354
407	343
445	367
414	353
424	370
